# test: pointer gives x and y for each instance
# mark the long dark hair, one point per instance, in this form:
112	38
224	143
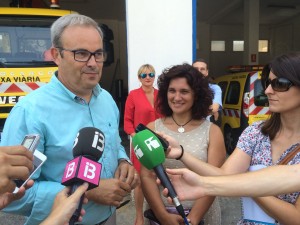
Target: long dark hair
202	93
287	66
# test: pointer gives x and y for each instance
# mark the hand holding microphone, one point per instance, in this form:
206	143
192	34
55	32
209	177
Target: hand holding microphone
8	197
65	205
87	150
150	152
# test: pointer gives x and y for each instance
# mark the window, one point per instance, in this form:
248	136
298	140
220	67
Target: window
223	86
24	38
217	46
238	46
4	43
233	93
263	46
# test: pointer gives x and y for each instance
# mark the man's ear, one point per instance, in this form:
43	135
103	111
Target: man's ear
56	55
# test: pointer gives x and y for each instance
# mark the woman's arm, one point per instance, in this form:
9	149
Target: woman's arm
282	211
265	182
216	156
237	162
129	116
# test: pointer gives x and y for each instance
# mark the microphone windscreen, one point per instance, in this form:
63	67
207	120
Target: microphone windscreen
89	142
148	149
164	142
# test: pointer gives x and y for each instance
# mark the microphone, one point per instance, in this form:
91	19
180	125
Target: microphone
150	152
87	149
163	141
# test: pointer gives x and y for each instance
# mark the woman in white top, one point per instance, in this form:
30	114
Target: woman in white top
184	98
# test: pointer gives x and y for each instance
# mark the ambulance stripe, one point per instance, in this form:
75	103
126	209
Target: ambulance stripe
4	86
256	111
20	87
33	86
265	110
13	88
232	113
237	113
253	109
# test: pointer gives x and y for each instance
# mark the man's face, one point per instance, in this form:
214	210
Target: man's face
79	77
202	67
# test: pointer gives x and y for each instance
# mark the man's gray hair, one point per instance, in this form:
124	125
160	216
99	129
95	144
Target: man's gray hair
63	22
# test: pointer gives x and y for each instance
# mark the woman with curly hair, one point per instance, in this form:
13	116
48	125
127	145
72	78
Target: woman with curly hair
184	99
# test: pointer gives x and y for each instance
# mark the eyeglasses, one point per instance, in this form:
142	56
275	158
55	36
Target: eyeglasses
279	84
82	55
144	75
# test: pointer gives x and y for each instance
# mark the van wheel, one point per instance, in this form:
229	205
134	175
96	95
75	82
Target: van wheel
230	139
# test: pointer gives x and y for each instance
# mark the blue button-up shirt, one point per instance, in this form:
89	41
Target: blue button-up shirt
217	94
57	115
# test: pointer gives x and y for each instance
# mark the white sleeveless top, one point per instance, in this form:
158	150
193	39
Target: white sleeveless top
196	143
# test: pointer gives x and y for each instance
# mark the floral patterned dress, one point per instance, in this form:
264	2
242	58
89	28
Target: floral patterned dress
258	146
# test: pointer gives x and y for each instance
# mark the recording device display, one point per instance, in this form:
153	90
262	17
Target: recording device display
163	141
31	141
38	160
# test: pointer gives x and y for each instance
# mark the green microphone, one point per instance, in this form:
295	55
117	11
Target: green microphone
148	149
150	152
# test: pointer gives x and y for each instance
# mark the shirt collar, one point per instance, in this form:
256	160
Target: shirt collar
96	90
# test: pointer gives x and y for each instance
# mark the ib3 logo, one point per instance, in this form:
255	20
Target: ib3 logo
89	169
70	170
98	141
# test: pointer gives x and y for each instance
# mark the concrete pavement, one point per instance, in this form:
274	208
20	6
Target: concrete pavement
231	211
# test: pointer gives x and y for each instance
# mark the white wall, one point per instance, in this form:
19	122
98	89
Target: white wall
158	33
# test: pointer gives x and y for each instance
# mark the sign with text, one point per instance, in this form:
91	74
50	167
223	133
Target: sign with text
82	169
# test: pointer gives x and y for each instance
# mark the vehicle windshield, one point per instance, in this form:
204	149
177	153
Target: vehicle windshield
25	39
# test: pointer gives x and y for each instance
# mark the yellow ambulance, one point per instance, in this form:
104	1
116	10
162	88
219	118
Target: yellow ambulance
24	41
244	102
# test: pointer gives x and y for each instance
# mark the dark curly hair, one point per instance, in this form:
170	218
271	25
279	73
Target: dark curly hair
286	66
202	93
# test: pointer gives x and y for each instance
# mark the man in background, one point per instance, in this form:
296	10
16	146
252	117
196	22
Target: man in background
216	117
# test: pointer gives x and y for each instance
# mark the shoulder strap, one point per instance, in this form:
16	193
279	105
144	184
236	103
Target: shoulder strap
290	156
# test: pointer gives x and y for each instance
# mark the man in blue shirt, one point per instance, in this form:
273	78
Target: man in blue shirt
72	99
201	65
